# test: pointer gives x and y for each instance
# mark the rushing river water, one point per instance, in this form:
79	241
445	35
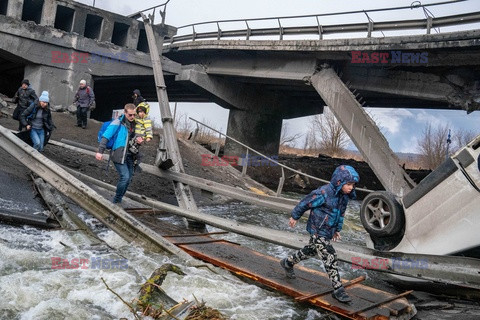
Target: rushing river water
31	289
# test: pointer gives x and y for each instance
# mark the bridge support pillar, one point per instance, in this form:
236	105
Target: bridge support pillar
259	131
61	84
255	116
15	8
363	131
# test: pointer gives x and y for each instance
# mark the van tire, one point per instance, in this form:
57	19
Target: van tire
382	215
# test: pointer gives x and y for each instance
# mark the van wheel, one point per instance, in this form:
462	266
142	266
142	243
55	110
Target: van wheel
382	215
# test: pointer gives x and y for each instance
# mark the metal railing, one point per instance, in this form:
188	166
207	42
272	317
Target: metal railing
369	26
282	166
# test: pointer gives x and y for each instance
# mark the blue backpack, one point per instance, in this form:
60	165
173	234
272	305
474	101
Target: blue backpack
104	127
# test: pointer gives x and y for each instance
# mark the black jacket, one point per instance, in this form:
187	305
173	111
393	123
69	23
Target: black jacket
24	98
31	112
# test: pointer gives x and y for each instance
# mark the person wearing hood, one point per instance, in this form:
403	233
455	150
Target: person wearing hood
24	96
137	97
327	206
84	100
37	118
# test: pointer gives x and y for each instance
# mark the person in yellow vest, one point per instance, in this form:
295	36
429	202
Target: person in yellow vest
143	123
143	129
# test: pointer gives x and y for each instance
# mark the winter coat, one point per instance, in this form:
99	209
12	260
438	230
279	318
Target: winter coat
119	148
84	97
143	127
328	204
30	114
24	97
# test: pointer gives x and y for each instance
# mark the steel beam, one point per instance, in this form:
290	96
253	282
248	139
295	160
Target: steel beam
363	131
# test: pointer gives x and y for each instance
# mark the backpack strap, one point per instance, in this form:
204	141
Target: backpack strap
111	150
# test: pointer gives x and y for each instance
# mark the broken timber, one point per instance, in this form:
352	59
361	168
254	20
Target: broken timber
109	214
310	285
68	220
453	270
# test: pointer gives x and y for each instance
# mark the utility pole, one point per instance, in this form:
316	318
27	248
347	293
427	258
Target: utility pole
449	140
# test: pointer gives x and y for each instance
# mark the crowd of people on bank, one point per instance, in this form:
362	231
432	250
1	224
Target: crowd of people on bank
123	136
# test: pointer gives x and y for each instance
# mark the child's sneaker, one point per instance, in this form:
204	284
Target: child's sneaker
288	268
341	295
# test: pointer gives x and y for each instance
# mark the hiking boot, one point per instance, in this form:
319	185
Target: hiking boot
341	295
288	268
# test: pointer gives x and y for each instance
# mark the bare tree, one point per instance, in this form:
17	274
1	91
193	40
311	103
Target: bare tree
311	141
329	135
205	135
286	139
433	145
462	137
183	126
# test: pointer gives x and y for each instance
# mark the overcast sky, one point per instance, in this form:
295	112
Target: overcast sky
401	127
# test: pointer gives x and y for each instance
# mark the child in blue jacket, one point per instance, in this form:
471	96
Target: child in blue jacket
327	206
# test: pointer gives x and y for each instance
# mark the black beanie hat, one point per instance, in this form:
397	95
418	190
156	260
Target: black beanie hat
26	82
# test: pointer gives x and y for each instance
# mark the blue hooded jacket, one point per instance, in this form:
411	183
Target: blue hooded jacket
119	150
328	204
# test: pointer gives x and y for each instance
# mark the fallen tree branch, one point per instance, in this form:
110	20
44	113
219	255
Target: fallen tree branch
121	299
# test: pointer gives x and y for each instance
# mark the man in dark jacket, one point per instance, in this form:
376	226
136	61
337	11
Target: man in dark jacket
38	120
137	97
24	96
84	100
124	150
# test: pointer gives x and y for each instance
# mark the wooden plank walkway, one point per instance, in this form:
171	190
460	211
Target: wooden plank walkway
310	285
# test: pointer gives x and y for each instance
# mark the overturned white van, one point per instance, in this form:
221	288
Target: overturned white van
441	215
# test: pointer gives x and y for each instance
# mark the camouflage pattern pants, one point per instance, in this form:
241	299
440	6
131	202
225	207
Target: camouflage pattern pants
326	252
